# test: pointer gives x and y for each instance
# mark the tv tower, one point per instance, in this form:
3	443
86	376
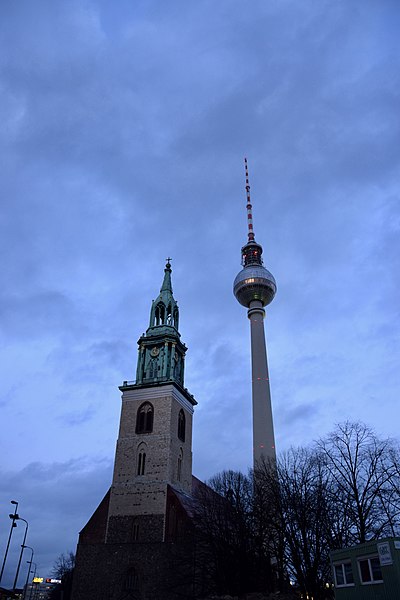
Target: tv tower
255	287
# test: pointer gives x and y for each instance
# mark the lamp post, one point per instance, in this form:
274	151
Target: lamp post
34	575
18	518
13	524
29	570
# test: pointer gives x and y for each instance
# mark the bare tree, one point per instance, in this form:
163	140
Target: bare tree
227	525
342	490
63	564
363	468
63	569
298	502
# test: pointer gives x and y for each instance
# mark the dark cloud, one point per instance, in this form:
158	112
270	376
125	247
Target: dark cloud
56	499
78	417
122	139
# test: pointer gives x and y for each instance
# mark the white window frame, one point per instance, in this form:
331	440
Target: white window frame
368	559
341	564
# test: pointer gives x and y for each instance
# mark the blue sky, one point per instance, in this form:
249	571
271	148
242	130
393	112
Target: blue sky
124	127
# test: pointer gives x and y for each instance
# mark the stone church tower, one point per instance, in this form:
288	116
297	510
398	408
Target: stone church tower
152	481
154	446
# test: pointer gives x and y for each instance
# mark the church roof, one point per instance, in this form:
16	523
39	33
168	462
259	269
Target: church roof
95	529
192	503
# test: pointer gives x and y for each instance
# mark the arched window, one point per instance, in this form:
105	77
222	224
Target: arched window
181	425
168	320
135	530
176	319
141	463
162	313
177	367
180	461
144	419
132	581
153	368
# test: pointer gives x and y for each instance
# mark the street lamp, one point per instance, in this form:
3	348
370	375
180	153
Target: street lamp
13	524
29	570
34	575
18	518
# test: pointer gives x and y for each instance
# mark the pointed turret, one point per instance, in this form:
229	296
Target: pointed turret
164	309
167	283
161	352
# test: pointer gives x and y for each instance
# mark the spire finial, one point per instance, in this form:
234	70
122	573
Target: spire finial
250	233
168	265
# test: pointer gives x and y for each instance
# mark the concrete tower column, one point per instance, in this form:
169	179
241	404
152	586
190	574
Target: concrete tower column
263	429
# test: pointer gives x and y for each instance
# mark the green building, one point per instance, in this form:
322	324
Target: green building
369	571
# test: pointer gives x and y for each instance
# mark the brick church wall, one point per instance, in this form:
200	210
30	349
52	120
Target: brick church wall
164	571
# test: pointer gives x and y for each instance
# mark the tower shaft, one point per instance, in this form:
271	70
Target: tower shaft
255	287
263	428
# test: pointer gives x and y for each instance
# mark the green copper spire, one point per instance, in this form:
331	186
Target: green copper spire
164	309
167	284
161	352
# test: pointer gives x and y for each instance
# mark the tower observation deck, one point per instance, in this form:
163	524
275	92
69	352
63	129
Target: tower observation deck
255	287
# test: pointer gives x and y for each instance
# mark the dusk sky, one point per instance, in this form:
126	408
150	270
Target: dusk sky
123	131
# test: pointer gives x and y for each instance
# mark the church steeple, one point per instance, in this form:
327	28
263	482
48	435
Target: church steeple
161	352
154	448
164	309
167	284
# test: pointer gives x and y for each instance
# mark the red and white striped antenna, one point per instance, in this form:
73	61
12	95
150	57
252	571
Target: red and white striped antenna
249	207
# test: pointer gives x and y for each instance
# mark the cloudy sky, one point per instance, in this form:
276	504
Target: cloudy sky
123	131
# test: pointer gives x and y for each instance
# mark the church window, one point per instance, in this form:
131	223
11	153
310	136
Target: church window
141	463
135	531
132	581
181	425
177	367
176	319
159	314
153	368
162	313
144	419
180	460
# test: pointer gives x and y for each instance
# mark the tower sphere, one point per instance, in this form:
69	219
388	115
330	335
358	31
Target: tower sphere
254	282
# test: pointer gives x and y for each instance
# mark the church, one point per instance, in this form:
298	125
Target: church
137	544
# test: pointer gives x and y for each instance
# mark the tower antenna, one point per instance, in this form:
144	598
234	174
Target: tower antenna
249	207
255	287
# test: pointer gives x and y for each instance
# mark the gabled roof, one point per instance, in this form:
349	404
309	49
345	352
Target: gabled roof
192	503
94	532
